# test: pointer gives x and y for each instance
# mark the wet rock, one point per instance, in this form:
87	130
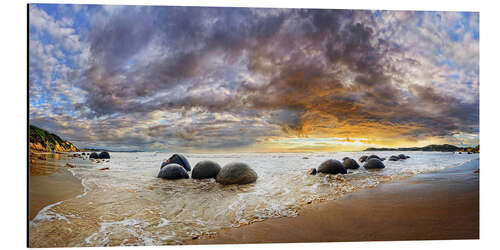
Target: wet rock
350	163
106	168
363	158
312	171
94	155
205	170
332	167
236	173
394	158
173	171
374	157
104	155
178	159
402	156
68	165
374	163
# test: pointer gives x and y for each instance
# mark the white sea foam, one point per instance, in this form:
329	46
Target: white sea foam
47	214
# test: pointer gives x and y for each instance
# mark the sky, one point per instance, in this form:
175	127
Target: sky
201	79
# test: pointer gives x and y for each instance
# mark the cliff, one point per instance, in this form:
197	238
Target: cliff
43	141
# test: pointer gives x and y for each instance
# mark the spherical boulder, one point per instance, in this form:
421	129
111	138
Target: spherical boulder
402	156
236	173
104	155
363	158
332	167
394	158
178	159
350	163
205	170
374	163
94	155
373	156
173	171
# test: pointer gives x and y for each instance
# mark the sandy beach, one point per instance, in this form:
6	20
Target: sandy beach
434	206
49	182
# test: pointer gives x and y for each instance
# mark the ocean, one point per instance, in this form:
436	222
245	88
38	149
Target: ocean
128	205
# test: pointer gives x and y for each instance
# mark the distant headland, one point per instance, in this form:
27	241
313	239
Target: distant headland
433	147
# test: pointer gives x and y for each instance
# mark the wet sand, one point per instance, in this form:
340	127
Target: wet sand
50	182
434	206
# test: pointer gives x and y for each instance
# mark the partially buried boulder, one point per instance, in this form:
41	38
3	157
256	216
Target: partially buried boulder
178	159
402	156
374	157
350	163
374	163
205	170
332	167
94	155
394	158
236	173
363	158
104	155
312	171
173	171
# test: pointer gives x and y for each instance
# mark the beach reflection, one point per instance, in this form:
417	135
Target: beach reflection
44	164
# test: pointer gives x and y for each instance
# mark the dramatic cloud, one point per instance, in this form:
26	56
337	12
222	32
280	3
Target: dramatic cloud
222	79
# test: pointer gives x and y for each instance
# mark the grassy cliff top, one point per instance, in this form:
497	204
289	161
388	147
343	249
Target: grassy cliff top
43	140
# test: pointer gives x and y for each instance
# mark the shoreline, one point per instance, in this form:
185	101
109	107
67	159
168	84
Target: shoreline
49	183
408	209
440	205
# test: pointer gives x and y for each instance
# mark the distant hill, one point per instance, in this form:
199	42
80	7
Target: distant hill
43	141
109	150
434	147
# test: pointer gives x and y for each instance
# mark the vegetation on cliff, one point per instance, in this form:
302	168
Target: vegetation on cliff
42	141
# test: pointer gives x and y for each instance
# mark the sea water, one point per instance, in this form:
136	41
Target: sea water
128	205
